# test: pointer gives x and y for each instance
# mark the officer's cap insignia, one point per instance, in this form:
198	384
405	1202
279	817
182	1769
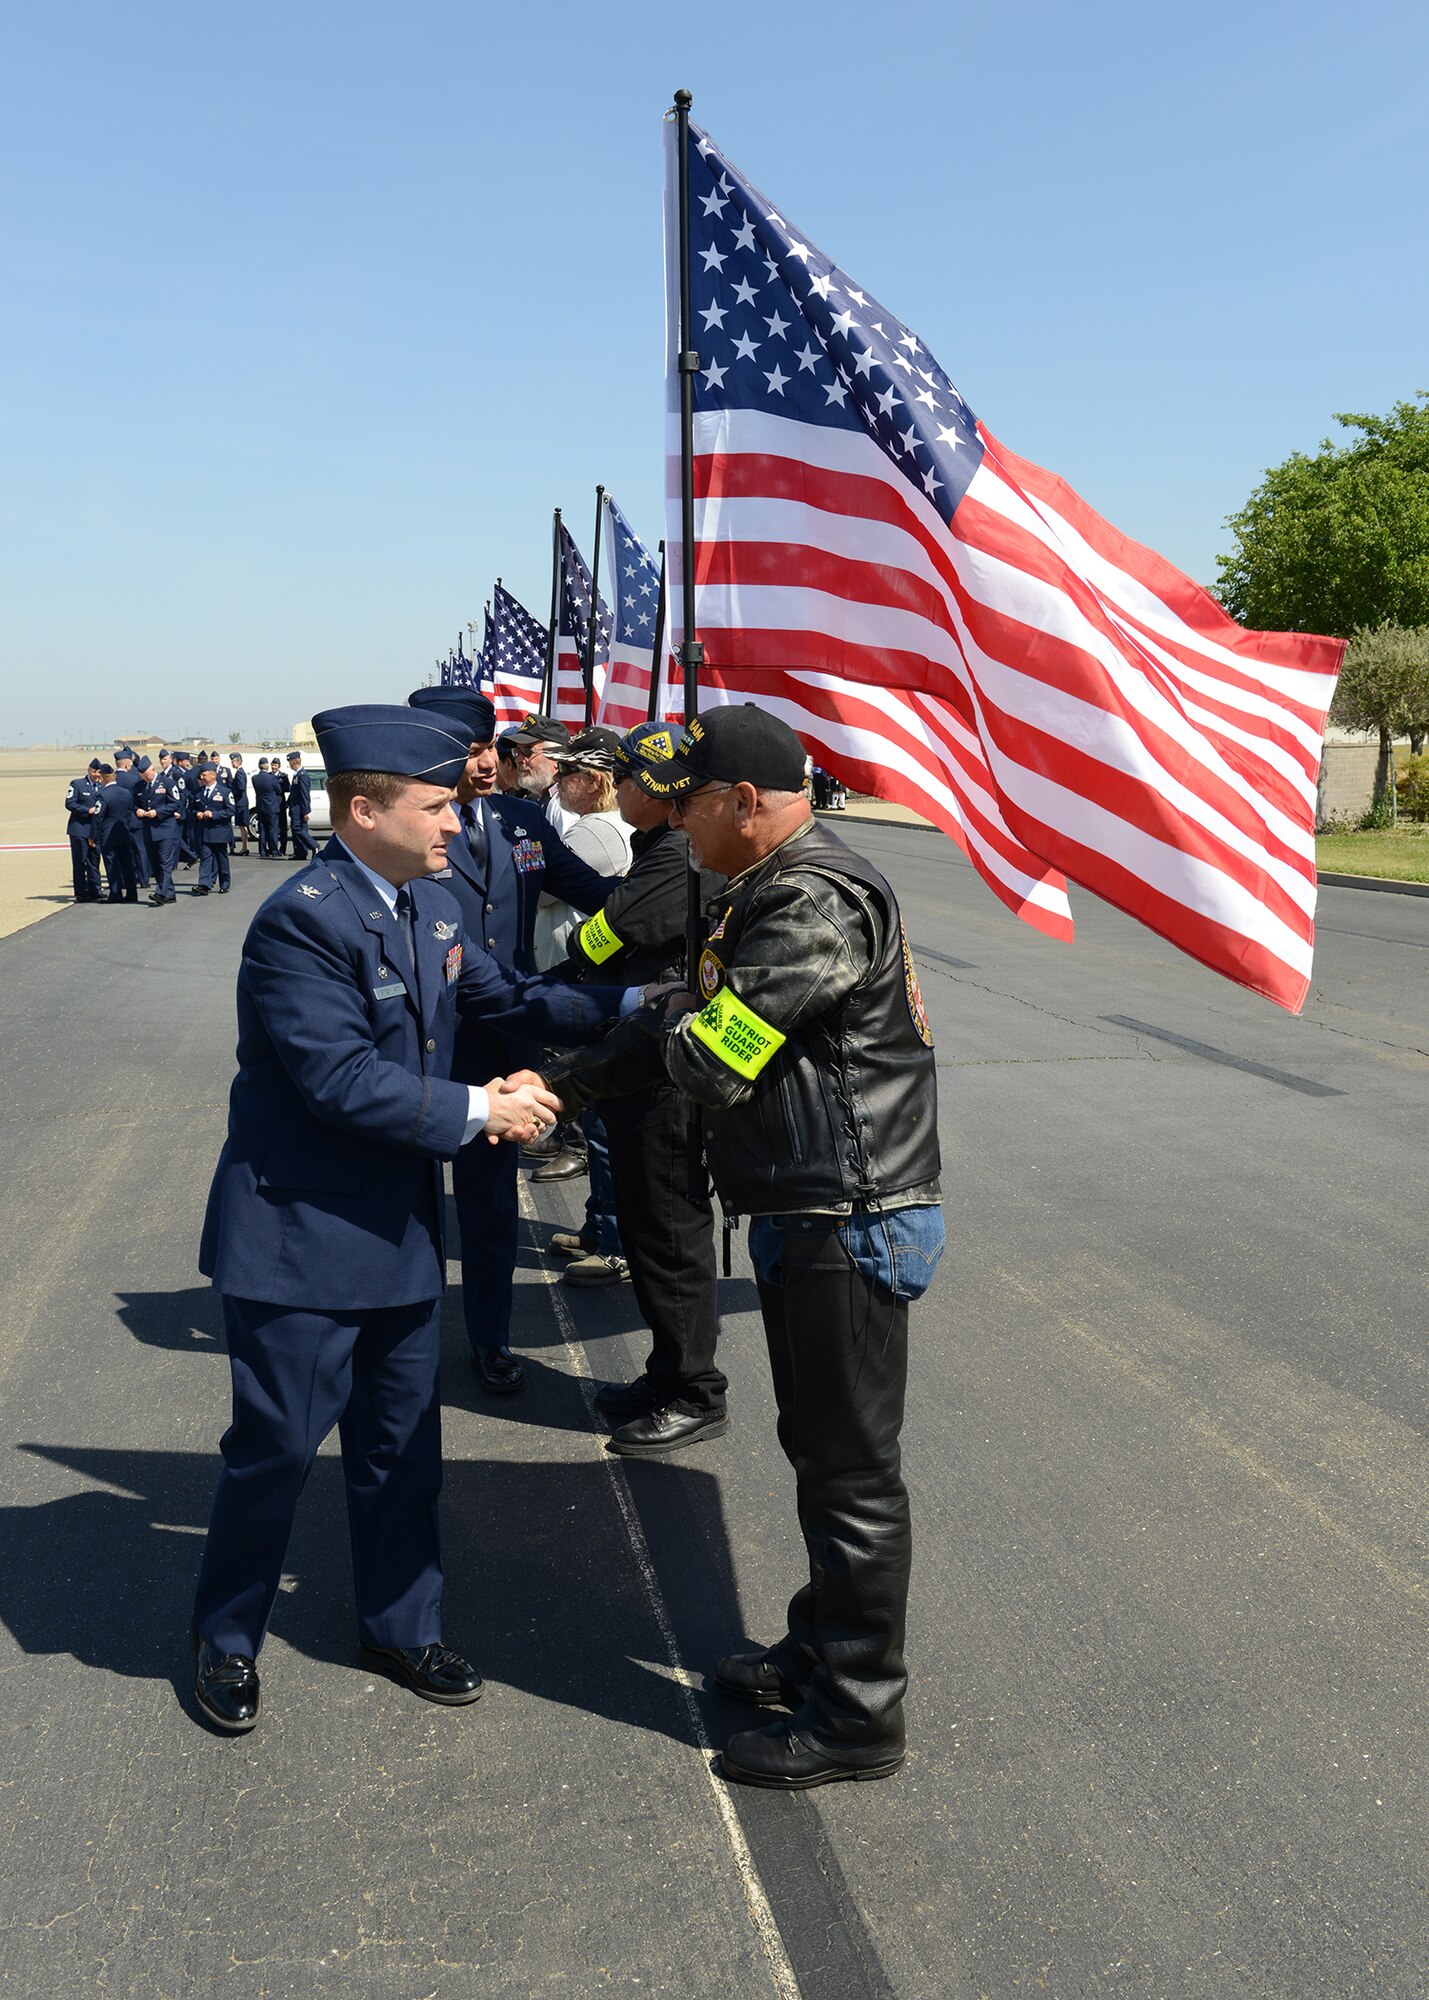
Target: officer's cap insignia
444	931
376	916
307	889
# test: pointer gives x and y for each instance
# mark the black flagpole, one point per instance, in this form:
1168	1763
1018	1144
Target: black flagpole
691	651
657	656
590	635
548	683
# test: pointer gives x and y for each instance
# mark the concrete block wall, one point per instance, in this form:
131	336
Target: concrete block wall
1346	787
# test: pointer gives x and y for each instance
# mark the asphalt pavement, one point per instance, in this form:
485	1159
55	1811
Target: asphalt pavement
1166	1445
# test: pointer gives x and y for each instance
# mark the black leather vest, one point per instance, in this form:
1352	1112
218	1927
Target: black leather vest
847	1110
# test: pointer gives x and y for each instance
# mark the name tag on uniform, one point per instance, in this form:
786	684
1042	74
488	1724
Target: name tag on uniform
391	988
527	856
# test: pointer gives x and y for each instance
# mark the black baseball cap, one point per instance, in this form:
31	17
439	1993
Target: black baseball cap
738	745
592	750
539	729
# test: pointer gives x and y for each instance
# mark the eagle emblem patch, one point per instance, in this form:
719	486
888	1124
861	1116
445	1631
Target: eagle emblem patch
711	974
913	992
307	889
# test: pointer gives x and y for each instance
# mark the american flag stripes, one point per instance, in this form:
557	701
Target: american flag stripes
633	581
571	629
868	553
516	650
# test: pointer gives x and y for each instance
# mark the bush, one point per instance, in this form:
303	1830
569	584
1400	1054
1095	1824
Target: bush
1414	789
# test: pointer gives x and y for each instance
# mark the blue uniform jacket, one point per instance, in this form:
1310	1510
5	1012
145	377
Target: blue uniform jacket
214	832
526	856
238	785
267	795
328	1191
164	797
117	812
80	801
299	798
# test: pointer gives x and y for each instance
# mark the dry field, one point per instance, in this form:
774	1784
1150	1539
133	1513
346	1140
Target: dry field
32	797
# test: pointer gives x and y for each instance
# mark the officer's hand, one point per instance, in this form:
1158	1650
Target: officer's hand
678	1001
521	1113
657	989
523	1076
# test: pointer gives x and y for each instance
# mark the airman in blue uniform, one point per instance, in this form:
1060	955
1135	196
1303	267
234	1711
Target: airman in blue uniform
267	799
188	827
299	807
238	785
324	1224
507	853
163	815
82	805
213	816
116	837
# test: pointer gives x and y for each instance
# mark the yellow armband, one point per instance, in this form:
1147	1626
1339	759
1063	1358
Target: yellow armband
597	940
736	1035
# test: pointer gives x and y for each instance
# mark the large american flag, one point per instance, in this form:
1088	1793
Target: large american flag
949	625
573	592
516	652
634	585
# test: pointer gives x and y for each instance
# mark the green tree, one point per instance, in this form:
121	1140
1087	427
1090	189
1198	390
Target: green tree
1339	541
1384	685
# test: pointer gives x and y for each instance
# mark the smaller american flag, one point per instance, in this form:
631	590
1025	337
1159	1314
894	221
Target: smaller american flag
515	647
634	585
571	630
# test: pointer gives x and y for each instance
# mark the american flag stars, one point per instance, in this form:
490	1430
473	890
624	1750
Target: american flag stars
838	357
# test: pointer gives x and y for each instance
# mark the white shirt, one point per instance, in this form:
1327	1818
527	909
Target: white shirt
479	1104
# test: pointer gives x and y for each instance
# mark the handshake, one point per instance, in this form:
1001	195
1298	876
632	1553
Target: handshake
519	1108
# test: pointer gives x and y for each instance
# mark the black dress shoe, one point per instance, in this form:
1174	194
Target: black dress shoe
436	1673
664	1429
498	1369
754	1677
198	889
562	1166
624	1400
778	1758
226	1688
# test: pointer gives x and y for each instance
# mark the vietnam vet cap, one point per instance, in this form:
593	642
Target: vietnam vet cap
647	744
472	710
592	750
380	736
739	745
539	729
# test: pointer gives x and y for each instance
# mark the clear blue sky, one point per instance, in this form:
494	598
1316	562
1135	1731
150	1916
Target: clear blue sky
312	312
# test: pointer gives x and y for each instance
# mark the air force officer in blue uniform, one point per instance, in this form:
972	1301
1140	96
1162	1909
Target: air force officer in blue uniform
506	855
324	1223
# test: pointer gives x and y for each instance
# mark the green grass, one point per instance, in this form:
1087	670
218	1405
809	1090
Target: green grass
1402	855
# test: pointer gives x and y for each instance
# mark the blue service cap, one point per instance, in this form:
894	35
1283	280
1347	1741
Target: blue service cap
464	705
406	742
106	770
207	766
144	764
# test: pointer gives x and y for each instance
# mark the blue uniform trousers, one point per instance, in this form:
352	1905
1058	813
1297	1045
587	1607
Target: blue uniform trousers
267	831
295	1375
484	1190
213	864
164	843
84	860
119	866
304	846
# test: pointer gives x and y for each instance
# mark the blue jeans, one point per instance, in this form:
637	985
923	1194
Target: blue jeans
600	1228
898	1249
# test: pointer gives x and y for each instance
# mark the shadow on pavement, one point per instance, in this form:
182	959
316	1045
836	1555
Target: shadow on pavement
189	1322
539	1586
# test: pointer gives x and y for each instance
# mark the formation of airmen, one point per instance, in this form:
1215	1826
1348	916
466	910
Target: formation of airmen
135	823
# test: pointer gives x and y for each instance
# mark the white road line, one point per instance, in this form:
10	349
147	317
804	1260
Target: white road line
762	1917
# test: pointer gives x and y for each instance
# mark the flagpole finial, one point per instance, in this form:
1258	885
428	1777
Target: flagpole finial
683	100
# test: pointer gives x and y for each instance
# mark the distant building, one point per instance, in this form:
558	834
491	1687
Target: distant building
147	743
302	737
